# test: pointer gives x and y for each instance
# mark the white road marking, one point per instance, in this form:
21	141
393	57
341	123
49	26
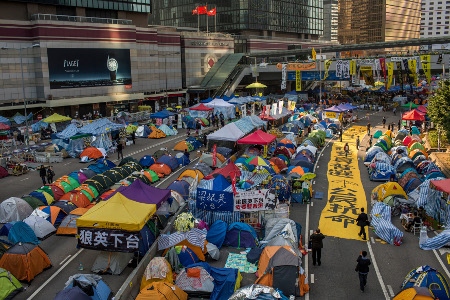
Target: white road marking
65	259
441	263
443	250
24	179
372	240
67	163
312	203
377	271
54	275
391	291
312	278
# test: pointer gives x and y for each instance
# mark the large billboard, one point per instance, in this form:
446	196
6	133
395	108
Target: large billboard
75	68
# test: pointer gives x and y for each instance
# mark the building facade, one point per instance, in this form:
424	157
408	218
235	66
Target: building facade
434	18
330	20
372	21
282	18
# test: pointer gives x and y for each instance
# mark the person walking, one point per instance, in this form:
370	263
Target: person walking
362	221
357	142
363	269
43	174
370	141
394	110
340	134
368	128
317	245
50	175
384	122
133	137
119	150
399	124
346	149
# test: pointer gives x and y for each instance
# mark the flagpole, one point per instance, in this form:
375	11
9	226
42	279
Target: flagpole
206	18
198	22
215	19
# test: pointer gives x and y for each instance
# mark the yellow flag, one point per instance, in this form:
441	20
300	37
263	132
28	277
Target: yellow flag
352	67
313	54
412	65
390	71
327	67
298	81
425	59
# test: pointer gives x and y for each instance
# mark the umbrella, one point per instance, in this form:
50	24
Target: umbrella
213	251
169	108
256	85
179	106
257	161
308	176
4	126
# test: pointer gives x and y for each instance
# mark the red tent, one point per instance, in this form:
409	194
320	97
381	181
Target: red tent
4	126
442	185
413	115
422	109
226	171
201	107
258	137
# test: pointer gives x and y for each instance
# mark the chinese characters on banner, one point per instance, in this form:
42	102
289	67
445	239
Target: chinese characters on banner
283	76
345	193
214	200
243	110
298	81
255	200
108	239
268	110
274	109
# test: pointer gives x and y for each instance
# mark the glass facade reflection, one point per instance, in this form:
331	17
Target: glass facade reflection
238	16
141	6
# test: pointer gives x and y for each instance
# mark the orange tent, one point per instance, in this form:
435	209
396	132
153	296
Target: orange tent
279	163
69	224
156	133
162	291
196	249
56	214
161	169
25	261
92	153
192	173
299	170
76	197
157	270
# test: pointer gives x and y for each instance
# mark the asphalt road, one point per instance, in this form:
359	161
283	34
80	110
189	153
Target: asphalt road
334	279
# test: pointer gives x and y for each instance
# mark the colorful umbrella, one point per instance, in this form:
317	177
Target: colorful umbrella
257	161
308	176
169	108
179	106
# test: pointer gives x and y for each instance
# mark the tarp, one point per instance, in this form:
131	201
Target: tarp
258	137
229	170
229	132
442	185
126	214
413	115
100	126
201	107
143	193
56	118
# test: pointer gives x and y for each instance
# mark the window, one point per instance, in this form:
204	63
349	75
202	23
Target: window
445	32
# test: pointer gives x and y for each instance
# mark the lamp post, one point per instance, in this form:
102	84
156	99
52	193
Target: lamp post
26	137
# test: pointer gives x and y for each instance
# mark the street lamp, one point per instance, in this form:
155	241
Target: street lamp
26	137
165	71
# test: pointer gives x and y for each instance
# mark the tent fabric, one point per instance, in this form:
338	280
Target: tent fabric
442	185
146	161
161	169
156	133
68	225
25	261
77	197
413	115
73	293
33	201
54	214
183	145
181	187
167	130
414	293
14	209
229	170
258	137
56	118
9	284
111	262
3	172
201	107
41	227
169	160
91	284
187	283
92	153
217	232
161	291
19	232
162	114
132	217
207	158
240	235
383	227
143	193
428	277
229	132
100	126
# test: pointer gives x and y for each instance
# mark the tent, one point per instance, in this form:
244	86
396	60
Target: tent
229	132
241	235
183	145
41	227
221	106
142	131
65	206
442	185
9	284
132	217
19	232
157	270
208	159
54	214
388	189
111	262
73	293
413	115
217	233
68	225
169	160
161	169
414	293
14	209
278	267
92	153
143	193
91	284
33	201
380	171
191	173
182	159
187	282
228	171
181	187
156	133
56	118
256	291
425	276
25	261
168	131
146	161
258	137
161	291
78	197
201	107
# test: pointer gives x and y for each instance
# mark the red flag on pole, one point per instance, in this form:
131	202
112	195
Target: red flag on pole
211	12
200	10
214	155
195	11
233	182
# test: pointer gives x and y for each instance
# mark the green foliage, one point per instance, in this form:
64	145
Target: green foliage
433	139
439	107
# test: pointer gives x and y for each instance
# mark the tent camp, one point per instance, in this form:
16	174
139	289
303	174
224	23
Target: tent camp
169	160
14	209
9	285
229	132
41	227
68	225
111	262
221	106
25	261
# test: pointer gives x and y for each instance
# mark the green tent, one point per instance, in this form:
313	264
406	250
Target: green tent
47	189
33	202
154	177
94	191
377	134
87	194
127	160
9	285
410	105
73	182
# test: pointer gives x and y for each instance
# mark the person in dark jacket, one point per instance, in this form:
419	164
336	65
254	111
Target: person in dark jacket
50	175
186	153
133	137
43	174
317	245
361	221
363	269
119	150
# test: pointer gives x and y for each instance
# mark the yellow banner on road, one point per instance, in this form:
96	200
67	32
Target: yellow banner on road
345	190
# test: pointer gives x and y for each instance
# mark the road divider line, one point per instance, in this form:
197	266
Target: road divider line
391	290
377	271
372	240
312	278
65	259
441	263
54	275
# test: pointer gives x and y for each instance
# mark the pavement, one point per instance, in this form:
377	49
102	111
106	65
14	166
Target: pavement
334	279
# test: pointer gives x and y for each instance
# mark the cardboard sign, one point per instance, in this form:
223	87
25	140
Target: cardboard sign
214	200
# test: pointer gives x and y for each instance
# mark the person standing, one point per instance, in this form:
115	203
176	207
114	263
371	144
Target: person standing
186	153
362	221
306	193
43	174
370	141
384	122
317	245
399	124
363	269
50	174
346	149
368	128
133	137
357	142
340	134
119	150
394	110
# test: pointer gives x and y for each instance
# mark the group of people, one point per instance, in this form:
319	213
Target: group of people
214	119
46	174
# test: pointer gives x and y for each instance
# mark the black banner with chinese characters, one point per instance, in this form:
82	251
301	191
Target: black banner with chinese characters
108	239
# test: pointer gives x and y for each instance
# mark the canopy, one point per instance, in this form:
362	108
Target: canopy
143	193
442	185
162	114
201	107
228	133
118	211
256	85
258	137
219	103
413	115
56	118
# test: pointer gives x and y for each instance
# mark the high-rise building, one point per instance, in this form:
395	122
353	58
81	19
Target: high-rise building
365	21
276	18
330	20
434	18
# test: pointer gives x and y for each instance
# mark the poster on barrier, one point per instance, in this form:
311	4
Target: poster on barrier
255	200
214	200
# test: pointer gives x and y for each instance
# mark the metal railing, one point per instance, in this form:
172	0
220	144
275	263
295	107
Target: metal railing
64	18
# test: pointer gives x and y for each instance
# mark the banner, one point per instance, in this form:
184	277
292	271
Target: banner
274	109
280	106
368	76
345	190
283	76
330	114
346	69
401	58
390	74
243	110
352	67
339	68
412	67
214	155
327	68
108	239
268	107
297	66
313	54
383	68
298	81
85	67
255	200
400	72
426	66
180	121
291	105
214	200
233	182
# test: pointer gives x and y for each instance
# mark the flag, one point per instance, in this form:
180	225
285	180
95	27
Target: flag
200	10
211	12
390	74
214	155
425	59
233	182
313	54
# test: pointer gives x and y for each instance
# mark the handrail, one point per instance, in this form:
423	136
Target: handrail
66	18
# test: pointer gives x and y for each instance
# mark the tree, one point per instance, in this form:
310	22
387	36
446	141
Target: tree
439	107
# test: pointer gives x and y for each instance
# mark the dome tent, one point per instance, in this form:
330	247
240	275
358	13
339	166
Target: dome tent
14	209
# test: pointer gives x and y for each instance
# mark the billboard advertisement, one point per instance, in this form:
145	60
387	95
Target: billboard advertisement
76	68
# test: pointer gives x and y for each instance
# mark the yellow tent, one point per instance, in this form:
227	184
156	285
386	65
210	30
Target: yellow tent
388	189
56	118
414	293
118	212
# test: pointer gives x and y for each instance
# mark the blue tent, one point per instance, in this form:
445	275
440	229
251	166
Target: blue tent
425	276
19	232
226	152
194	142
381	171
99	167
180	186
73	293
147	161
98	291
187	257
40	196
220	183
241	235
207	100
370	154
182	159
169	160
100	126
190	122
162	114
216	233
146	241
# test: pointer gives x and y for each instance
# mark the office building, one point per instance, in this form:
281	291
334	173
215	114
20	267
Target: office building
434	18
330	20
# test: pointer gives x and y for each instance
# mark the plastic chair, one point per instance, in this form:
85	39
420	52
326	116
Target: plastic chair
416	227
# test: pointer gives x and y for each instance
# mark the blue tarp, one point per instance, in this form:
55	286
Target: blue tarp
162	114
194	142
100	126
36	127
383	227
19	119
147	161
5	120
68	132
216	233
